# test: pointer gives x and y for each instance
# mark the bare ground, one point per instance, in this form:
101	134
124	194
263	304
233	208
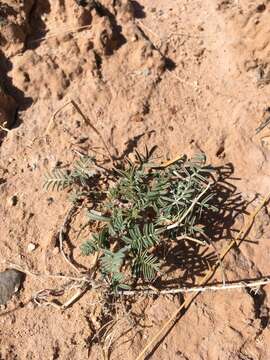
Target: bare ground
186	76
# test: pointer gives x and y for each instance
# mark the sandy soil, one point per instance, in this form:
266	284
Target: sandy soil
186	76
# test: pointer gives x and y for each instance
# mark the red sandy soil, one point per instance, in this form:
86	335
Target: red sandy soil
187	76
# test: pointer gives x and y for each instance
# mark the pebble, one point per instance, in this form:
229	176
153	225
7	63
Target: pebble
10	283
13	200
31	247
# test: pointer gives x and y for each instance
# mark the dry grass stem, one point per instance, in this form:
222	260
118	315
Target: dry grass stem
194	202
253	284
86	120
67	220
60	32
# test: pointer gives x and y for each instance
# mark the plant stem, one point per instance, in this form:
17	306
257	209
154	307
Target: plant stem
237	285
194	202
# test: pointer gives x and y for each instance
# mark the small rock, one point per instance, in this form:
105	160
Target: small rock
13	201
10	283
50	201
31	247
261	8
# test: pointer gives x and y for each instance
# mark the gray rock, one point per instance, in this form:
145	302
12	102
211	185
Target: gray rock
10	282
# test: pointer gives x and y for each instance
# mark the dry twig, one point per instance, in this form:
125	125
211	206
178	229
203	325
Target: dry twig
85	118
194	202
67	220
262	126
4	129
53	276
60	32
54	116
253	284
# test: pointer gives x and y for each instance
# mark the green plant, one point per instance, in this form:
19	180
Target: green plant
145	207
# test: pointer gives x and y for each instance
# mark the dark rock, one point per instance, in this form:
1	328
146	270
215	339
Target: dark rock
10	282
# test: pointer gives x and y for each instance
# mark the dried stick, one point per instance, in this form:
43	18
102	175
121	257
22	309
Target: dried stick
197	241
61	236
85	118
83	282
237	241
211	242
74	298
60	32
54	116
238	285
4	129
53	276
262	126
170	162
194	202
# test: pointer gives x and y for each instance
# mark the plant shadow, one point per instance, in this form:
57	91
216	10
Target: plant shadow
192	260
132	144
138	10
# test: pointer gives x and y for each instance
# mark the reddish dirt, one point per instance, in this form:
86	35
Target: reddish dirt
187	76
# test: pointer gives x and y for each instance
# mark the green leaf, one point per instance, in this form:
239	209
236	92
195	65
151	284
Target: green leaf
117	278
58	179
99	241
82	171
146	265
124	286
141	241
112	262
95	215
89	247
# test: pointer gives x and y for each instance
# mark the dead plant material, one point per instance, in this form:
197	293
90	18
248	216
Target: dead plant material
82	283
86	120
252	284
41	298
62	231
61	32
4	129
54	116
263	125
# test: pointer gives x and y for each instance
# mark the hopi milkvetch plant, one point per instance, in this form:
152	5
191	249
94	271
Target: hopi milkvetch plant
137	209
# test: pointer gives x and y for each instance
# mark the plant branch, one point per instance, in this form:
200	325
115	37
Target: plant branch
238	285
67	219
194	202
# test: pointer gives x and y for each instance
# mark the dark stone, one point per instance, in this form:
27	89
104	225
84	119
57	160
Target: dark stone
10	282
